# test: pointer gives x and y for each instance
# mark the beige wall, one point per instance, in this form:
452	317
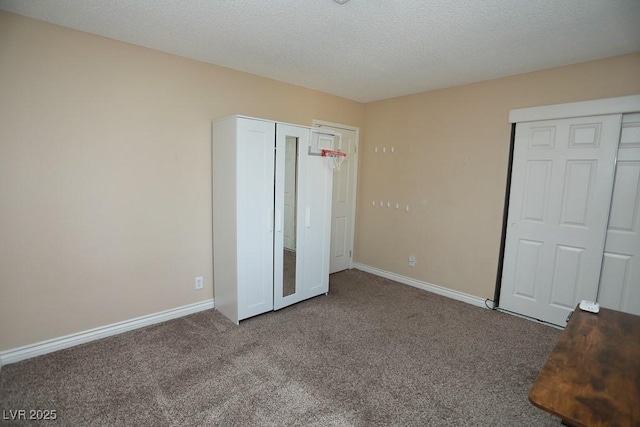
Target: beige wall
105	174
105	206
450	166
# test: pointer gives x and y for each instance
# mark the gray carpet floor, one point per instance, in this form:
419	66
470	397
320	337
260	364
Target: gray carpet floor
372	352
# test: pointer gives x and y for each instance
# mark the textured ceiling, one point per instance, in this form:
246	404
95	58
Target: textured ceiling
363	50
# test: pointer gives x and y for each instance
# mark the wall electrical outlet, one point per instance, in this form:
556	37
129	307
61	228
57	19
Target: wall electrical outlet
412	261
199	282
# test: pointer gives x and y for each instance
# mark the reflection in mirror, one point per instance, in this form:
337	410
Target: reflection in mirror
290	196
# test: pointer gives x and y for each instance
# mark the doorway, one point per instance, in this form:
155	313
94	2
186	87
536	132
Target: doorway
345	181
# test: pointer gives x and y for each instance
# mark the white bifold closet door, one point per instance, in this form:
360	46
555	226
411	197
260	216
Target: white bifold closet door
561	189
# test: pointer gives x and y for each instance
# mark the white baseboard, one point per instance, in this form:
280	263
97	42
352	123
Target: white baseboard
49	346
446	292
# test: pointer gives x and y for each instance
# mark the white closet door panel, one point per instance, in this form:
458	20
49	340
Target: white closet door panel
566	275
537	181
255	193
558	209
317	223
620	280
528	258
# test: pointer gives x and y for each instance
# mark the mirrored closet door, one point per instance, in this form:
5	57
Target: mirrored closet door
291	142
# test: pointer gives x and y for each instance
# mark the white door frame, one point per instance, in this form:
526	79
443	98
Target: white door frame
595	107
319	123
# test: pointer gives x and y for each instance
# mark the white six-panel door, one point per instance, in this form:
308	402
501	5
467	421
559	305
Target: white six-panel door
620	279
343	204
558	211
343	197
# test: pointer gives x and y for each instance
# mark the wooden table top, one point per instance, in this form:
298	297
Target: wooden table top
592	377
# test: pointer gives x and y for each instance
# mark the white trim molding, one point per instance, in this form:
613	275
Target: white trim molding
55	344
595	107
429	287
